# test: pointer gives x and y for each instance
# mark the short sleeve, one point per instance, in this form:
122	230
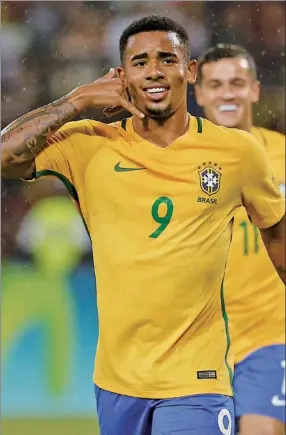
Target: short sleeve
62	151
260	195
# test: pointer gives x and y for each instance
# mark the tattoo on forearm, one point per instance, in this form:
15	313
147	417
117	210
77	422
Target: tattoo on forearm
29	133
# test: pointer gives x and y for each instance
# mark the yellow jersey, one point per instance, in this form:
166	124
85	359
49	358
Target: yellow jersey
255	295
160	222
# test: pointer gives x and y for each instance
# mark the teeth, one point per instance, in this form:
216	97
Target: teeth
228	107
155	90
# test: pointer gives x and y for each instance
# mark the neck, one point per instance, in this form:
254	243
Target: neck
246	125
162	132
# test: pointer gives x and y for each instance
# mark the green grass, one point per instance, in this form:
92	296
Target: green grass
41	426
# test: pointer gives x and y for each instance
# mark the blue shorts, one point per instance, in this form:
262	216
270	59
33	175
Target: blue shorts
205	414
259	383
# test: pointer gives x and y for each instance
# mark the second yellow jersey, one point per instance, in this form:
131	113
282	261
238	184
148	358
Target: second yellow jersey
160	222
255	295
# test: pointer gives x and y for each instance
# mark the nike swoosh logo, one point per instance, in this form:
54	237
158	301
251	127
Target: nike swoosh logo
119	168
277	402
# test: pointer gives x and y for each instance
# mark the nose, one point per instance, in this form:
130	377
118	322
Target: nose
154	72
228	93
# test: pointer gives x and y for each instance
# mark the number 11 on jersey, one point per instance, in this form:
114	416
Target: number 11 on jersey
247	228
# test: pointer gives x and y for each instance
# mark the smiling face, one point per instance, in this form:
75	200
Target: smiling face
227	92
156	72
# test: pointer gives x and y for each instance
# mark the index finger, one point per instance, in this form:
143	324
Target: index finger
131	108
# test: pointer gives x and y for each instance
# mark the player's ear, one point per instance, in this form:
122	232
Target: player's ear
192	71
121	74
255	91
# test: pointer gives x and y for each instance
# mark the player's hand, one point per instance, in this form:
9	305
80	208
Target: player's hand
108	92
114	110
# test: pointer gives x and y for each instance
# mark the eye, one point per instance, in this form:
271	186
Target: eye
238	83
168	61
140	63
214	85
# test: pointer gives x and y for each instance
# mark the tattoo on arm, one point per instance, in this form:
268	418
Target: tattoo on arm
27	136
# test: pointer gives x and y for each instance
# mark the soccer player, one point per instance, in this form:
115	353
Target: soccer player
227	87
158	193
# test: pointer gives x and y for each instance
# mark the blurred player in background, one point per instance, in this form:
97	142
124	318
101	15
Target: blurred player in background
255	296
158	193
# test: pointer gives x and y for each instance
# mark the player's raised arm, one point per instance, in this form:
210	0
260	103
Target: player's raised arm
27	136
263	201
